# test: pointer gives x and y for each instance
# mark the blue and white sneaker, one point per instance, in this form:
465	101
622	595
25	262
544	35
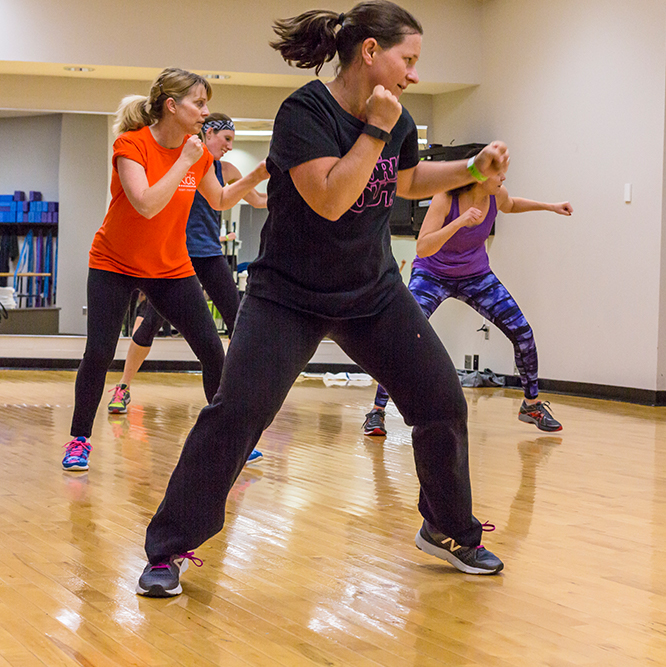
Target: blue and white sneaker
77	452
254	457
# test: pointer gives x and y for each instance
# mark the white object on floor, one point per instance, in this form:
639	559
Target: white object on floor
7	297
347	379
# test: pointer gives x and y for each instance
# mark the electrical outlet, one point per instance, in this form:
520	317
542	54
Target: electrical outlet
84	310
468	362
475	365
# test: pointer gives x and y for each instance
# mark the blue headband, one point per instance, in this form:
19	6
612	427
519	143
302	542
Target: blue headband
219	125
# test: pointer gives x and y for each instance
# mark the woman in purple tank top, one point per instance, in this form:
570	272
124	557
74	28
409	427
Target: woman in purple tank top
452	262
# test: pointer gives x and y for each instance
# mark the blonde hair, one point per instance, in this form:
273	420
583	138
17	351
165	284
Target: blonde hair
137	111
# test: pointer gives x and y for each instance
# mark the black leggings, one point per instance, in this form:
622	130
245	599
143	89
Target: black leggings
215	275
272	344
182	302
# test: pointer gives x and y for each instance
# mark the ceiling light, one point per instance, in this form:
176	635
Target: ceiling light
79	69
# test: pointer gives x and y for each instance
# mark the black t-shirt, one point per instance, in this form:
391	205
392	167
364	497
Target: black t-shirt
335	269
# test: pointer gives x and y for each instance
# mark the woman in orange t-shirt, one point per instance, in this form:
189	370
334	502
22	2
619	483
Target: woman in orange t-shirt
158	164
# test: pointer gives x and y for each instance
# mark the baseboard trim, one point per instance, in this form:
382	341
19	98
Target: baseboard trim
151	365
584	389
601	391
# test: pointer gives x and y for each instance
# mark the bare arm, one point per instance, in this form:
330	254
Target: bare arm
433	234
430	177
149	200
231	174
508	204
223	198
331	185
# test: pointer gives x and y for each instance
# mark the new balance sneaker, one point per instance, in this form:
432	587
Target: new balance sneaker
120	399
77	452
374	423
539	415
163	580
472	560
254	457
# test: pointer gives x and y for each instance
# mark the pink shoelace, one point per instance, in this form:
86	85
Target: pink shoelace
118	393
486	527
76	447
189	555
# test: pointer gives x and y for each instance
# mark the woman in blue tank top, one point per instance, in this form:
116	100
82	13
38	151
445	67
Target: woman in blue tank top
452	262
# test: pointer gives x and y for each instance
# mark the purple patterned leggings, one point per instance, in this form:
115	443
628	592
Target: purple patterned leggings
487	295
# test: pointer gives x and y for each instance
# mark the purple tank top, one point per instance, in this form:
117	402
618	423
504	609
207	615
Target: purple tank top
464	254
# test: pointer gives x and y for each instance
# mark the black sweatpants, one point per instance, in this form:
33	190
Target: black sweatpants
215	275
271	345
180	300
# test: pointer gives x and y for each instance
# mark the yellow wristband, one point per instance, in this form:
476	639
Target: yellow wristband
474	170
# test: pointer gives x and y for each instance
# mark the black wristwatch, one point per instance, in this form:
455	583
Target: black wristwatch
377	133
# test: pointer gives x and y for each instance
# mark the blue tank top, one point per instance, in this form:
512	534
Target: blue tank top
464	254
203	225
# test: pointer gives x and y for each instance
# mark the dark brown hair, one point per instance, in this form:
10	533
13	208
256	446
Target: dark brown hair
315	37
456	192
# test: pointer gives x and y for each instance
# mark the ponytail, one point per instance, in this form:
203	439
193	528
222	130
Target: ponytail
308	40
131	114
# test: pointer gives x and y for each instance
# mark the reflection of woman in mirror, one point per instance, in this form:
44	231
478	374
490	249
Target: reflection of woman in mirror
158	164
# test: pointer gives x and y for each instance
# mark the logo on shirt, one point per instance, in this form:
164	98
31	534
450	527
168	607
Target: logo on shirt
189	182
380	189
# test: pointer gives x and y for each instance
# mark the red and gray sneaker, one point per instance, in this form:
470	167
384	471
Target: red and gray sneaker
539	415
374	422
472	560
163	580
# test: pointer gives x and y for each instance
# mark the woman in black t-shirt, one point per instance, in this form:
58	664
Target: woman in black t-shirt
339	155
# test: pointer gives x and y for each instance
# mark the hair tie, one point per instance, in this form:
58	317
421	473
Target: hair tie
341	19
219	125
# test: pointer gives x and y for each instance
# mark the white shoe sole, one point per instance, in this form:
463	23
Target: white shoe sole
183	565
446	555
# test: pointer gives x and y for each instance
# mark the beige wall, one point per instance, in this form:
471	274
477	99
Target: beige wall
83	199
577	91
29	155
227	35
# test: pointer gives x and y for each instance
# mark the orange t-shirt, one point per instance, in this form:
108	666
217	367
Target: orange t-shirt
136	246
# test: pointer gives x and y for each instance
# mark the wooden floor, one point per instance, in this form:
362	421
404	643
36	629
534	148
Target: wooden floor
316	565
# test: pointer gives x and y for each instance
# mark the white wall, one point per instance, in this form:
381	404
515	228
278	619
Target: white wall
577	91
83	173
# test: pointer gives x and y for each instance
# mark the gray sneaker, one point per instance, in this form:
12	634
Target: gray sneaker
374	423
472	560
163	580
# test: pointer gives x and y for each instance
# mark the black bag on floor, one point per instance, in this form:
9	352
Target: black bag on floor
484	378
